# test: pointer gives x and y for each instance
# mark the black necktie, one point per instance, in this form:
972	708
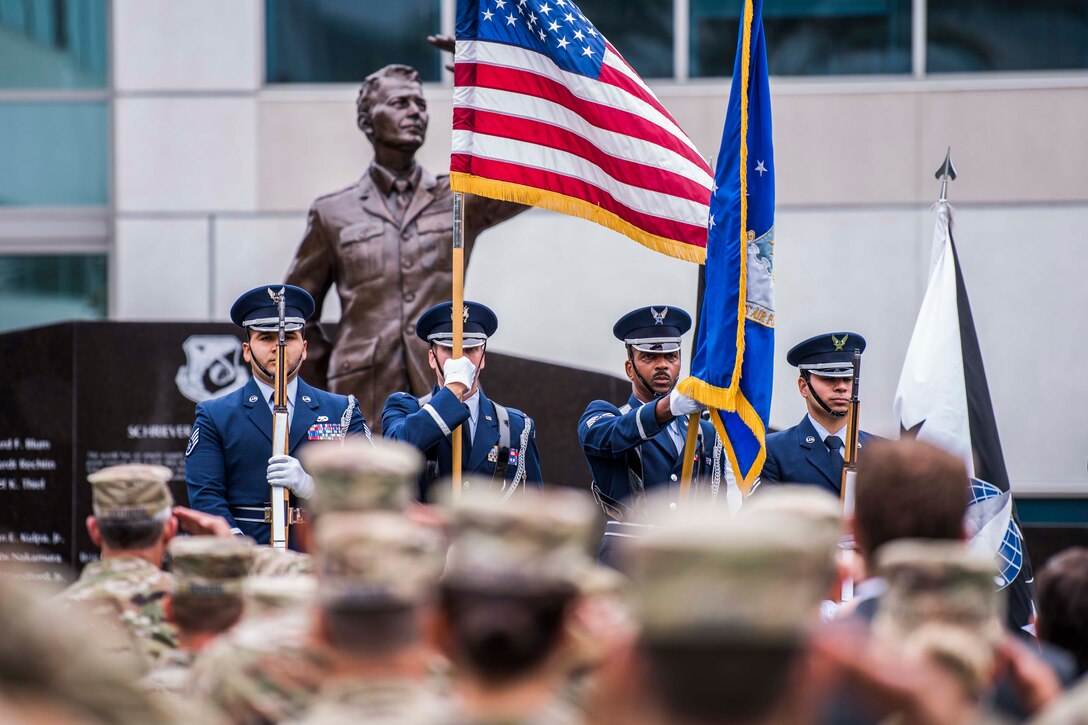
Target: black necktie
834	444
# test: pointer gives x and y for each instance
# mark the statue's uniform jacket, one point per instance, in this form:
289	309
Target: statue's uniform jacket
387	273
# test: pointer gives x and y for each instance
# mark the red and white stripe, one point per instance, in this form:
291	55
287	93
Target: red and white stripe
520	119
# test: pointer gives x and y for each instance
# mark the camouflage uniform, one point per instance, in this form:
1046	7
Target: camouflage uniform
127	591
376	702
378	559
205	568
280	562
267	669
262	671
58	668
520	544
941	605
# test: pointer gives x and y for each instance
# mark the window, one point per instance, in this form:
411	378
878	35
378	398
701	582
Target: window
1006	35
53	154
53	44
832	37
343	41
641	30
38	290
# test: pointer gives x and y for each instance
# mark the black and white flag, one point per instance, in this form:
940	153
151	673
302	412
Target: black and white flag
943	399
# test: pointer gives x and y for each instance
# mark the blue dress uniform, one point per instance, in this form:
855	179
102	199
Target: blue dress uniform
629	453
627	448
800	454
227	456
503	446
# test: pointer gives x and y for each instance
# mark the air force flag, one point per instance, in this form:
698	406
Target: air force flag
731	371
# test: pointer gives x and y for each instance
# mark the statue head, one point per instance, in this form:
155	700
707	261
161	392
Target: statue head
391	110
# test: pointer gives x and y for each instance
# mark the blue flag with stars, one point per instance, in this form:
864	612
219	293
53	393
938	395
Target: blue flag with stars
731	372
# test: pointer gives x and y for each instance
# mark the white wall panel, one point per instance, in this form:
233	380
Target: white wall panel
162	269
187	45
253	251
185	154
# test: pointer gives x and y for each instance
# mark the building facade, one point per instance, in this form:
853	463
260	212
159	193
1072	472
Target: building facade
159	157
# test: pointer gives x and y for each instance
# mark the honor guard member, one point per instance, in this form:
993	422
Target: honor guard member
639	446
498	442
227	465
811	452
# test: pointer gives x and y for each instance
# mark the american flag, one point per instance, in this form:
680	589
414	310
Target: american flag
546	112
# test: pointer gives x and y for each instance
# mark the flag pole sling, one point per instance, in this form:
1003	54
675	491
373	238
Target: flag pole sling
458	319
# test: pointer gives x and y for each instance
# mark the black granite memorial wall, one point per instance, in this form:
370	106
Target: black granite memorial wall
80	396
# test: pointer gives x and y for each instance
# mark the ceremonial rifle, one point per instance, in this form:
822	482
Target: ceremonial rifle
849	476
280	497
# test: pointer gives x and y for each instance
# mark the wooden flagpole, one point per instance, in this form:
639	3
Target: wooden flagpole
689	457
458	319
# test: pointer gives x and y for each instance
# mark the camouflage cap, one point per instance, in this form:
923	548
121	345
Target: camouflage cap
131	492
210	566
758	578
266	593
377	557
358	475
520	541
943	582
809	503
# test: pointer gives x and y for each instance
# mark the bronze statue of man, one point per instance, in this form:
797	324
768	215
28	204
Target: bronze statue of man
385	242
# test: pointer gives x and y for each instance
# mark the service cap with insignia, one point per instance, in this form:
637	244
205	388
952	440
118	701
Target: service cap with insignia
131	492
257	309
377	558
521	541
360	475
830	355
210	566
436	324
653	329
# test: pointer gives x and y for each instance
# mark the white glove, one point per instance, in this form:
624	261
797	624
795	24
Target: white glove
459	370
680	404
287	472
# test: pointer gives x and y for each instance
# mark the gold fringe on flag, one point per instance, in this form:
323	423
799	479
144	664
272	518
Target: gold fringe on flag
564	204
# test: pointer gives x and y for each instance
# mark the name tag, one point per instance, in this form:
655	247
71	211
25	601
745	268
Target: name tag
324	432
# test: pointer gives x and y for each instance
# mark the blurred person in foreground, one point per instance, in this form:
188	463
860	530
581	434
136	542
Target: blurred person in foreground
206	601
909	489
507	600
132	524
59	669
1062	590
267	669
725	613
377	575
905	490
